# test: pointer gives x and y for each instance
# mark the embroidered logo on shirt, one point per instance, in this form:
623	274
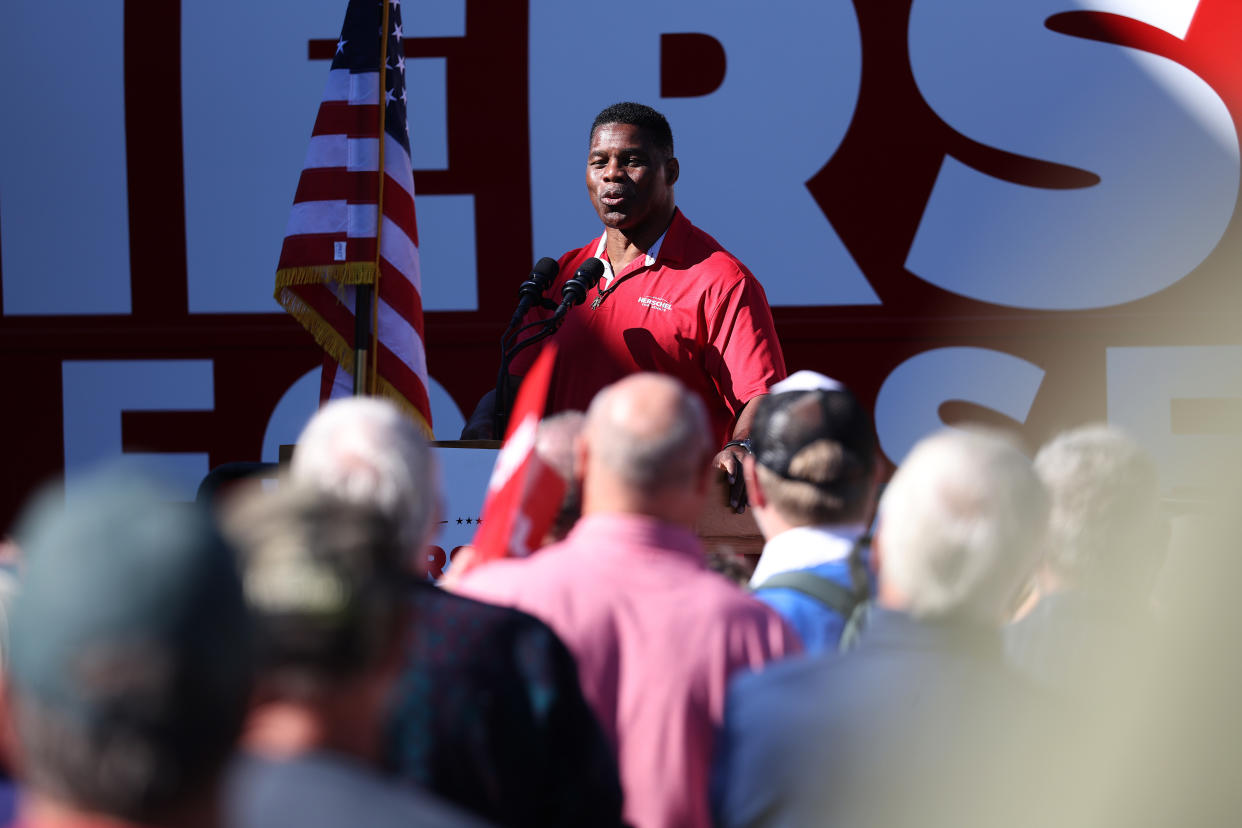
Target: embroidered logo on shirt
655	303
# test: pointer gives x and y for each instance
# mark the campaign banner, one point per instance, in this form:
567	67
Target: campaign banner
1023	213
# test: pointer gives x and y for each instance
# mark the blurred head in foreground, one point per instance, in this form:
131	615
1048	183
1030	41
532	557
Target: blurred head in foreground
1107	532
961	526
131	657
326	580
364	450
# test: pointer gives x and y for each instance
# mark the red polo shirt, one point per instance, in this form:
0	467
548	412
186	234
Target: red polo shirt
697	314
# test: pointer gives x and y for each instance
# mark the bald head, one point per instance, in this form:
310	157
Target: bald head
646	437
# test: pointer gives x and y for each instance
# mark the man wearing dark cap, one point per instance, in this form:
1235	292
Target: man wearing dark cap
131	663
327	582
812	483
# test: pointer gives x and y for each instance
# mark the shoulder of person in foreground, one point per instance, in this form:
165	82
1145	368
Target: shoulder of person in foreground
319	791
502	581
757	756
755	632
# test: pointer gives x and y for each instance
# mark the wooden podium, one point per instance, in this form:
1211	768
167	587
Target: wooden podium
724	531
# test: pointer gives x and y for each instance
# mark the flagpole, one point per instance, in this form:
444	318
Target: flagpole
373	375
366	310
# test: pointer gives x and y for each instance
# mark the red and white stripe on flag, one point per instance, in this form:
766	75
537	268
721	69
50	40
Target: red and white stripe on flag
349	225
524	493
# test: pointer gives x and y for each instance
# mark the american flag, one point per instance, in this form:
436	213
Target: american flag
352	226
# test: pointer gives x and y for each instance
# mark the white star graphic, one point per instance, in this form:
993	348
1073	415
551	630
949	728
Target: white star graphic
397	31
388	97
340	46
402	96
401	63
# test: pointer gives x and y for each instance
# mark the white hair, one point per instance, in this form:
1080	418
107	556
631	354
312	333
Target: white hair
961	524
364	450
1106	528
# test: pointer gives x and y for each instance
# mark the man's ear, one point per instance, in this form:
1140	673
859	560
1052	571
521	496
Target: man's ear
877	551
672	170
754	492
580	457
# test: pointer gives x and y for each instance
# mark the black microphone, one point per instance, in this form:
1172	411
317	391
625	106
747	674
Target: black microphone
531	291
575	290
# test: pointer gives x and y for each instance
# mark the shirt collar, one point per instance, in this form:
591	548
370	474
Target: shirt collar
635	531
804	547
652	255
888	628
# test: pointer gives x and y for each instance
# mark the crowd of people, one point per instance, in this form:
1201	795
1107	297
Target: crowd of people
994	655
977	639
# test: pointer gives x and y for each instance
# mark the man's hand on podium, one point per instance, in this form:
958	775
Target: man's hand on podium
729	461
480	426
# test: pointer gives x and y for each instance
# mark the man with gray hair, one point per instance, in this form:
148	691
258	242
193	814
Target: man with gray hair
656	634
1107	540
923	723
364	450
488	712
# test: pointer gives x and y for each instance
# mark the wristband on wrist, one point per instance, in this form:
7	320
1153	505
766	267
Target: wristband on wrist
743	443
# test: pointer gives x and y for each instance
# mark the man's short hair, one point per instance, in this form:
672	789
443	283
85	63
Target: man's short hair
1106	529
961	525
639	115
132	660
646	459
325	579
364	450
815	455
554	443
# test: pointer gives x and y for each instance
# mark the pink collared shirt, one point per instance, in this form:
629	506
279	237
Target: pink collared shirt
656	636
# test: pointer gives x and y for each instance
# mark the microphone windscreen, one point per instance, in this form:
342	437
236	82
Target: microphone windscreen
590	272
544	272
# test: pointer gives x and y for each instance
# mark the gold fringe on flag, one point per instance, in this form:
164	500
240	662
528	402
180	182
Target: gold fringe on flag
346	273
387	391
336	347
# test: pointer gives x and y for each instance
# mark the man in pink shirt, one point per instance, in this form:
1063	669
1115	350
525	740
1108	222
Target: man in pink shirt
656	635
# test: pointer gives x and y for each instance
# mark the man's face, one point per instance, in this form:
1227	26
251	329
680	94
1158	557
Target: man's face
630	179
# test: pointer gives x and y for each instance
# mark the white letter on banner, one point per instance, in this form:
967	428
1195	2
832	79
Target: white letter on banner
64	192
1160	139
1145	383
97	391
746	150
301	400
907	407
246	129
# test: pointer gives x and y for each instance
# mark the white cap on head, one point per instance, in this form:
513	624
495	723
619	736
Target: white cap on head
806	381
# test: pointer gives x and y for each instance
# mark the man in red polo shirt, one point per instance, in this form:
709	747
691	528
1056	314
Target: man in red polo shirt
671	300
